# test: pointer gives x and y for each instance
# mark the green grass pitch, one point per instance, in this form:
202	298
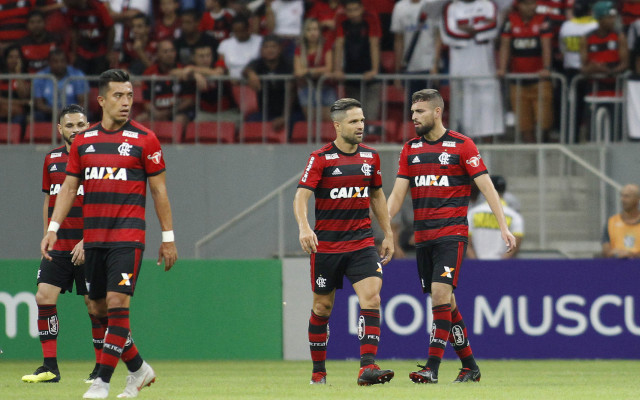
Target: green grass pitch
191	380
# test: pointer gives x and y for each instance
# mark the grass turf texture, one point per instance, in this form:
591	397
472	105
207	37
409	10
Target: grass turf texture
186	380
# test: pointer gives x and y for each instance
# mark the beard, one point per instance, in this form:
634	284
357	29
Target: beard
424	129
68	139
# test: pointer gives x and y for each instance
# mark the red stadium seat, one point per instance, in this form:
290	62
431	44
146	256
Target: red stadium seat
42	132
376	130
164	130
246	99
9	133
208	132
252	132
388	61
404	132
300	132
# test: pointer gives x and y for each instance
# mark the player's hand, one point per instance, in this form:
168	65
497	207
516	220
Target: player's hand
77	254
169	253
308	241
386	251
47	243
509	240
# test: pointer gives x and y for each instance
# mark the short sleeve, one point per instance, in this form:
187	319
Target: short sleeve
46	179
471	160
312	173
153	159
403	167
377	175
73	163
507	29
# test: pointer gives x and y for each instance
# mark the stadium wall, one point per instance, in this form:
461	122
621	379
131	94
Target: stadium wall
197	310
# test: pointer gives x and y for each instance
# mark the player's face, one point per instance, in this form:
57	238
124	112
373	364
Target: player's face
117	102
423	117
72	124
351	128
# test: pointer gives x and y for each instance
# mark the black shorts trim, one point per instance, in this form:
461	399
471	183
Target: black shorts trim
440	262
61	272
329	269
112	270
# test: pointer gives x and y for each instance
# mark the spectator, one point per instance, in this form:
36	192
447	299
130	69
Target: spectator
92	35
217	19
191	37
167	93
284	19
557	11
167	26
484	232
37	45
271	62
13	20
240	49
383	9
630	10
634	47
122	12
357	51
53	15
621	237
140	50
313	58
469	27
525	47
12	63
72	92
416	40
208	65
325	11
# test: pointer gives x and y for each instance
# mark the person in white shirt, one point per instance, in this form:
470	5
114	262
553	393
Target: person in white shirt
484	232
241	48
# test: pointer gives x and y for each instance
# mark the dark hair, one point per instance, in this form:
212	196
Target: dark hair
499	183
271	38
192	12
71	109
140	15
58	52
111	75
341	106
36	13
429	95
347	2
5	55
240	19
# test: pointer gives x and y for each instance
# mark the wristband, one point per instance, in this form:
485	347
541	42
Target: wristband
53	227
167	236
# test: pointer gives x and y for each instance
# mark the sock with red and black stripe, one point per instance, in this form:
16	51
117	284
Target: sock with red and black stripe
318	336
130	355
98	331
439	335
369	335
114	341
460	341
48	332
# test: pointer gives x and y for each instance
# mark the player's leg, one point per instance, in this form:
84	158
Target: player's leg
98	331
325	279
365	273
470	372
46	299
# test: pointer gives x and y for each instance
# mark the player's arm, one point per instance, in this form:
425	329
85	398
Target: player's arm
379	208
515	251
64	202
396	198
471	253
307	237
168	250
45	214
486	187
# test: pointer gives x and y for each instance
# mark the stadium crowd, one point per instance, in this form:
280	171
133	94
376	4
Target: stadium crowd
242	61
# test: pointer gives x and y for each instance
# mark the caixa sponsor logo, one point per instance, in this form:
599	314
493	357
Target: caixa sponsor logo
349	192
567	315
11	304
119	174
54	189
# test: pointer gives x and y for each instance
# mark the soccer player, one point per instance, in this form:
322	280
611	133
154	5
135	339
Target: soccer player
57	275
114	160
345	177
438	166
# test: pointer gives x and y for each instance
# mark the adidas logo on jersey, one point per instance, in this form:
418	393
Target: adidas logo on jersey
336	172
349	192
53	168
415	160
90	149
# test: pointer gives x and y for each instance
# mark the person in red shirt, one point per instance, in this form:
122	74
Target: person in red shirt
345	178
140	49
13	20
92	35
438	167
38	44
630	10
525	47
325	11
167	25
216	20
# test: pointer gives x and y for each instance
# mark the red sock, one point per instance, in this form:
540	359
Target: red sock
98	331
48	329
318	337
369	335
439	335
114	341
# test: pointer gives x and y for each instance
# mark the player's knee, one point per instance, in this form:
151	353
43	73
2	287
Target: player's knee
322	309
372	302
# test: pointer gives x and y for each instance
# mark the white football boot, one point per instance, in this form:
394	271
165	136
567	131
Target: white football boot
137	380
98	390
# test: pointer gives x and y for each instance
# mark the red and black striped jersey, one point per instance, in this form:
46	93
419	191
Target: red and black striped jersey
604	50
630	11
556	10
217	25
53	175
526	41
165	92
92	25
440	175
36	54
13	19
114	166
342	184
